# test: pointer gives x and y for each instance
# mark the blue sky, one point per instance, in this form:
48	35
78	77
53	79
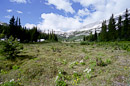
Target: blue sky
60	15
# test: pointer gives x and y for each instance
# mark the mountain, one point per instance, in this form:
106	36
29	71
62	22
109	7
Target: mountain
5	24
85	30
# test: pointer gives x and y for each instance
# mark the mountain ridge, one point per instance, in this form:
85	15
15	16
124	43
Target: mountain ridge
85	30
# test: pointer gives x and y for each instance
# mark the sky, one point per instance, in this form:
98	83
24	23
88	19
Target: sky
60	15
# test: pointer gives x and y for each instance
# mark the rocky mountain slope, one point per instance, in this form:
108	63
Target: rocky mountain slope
85	30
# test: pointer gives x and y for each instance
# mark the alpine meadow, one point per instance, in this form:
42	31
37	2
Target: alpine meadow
64	43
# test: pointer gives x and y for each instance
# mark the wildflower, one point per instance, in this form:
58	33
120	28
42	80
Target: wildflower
56	78
59	72
12	80
81	61
74	72
87	70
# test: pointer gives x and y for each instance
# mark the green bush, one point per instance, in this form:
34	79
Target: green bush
108	61
11	48
100	62
15	67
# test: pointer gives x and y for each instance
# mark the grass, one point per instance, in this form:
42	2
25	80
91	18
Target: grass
40	64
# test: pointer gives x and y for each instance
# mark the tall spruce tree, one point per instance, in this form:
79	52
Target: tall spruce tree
12	27
119	24
95	35
103	33
19	23
112	34
126	28
129	27
84	38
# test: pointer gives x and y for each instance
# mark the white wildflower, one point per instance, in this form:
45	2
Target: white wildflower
74	72
12	80
56	78
81	61
59	72
87	70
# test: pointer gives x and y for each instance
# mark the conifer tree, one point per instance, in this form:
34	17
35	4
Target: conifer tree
84	38
103	33
119	24
95	35
12	26
16	23
19	23
112	29
126	26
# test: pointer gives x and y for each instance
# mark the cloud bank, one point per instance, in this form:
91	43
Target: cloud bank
92	11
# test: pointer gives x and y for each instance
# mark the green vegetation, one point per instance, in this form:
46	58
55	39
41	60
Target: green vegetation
11	48
113	31
50	63
25	35
61	64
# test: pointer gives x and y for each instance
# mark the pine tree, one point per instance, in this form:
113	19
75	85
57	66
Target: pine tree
95	35
84	38
112	29
16	23
103	33
125	26
129	27
120	27
19	23
12	27
12	21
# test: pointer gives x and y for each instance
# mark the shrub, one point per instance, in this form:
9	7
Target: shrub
15	67
11	48
99	62
108	61
3	71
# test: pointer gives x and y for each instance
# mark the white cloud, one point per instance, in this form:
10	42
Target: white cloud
58	22
9	10
20	12
103	9
62	5
30	26
8	16
19	1
83	12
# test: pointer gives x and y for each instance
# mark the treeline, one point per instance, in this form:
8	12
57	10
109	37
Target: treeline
24	34
114	31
